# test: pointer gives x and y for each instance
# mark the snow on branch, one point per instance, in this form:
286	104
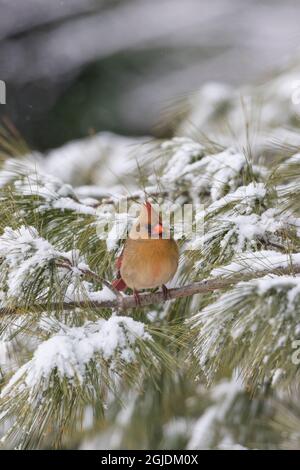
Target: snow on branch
75	366
190	166
123	302
258	261
30	264
41	190
68	352
22	251
244	220
253	327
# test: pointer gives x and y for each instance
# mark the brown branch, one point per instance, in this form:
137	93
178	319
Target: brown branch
124	302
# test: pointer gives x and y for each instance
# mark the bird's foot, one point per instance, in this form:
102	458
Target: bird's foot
166	292
136	298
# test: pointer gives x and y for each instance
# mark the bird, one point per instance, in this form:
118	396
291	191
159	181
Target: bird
148	260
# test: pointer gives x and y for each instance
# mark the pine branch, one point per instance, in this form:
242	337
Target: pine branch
90	275
136	196
122	302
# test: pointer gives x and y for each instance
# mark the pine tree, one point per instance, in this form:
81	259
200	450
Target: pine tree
217	365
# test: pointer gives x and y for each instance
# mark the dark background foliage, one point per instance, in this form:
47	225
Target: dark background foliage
73	67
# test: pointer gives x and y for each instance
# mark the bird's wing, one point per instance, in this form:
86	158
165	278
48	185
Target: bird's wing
118	283
119	261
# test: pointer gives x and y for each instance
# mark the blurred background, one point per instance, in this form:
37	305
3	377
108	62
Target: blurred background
75	67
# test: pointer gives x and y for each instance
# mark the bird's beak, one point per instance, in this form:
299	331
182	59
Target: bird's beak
158	229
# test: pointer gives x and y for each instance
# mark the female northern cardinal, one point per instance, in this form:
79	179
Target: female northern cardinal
148	260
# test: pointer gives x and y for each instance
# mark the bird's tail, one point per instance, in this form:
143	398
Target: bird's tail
119	284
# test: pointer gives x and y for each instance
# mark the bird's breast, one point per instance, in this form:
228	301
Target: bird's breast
149	263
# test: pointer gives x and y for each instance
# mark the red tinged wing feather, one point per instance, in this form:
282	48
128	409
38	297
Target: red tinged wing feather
119	262
118	283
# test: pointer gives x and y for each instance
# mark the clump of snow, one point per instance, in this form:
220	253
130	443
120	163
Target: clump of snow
288	284
181	151
22	250
264	260
54	193
82	291
48	187
269	304
79	207
234	224
96	160
241	231
253	226
69	352
76	159
247	196
93	160
217	172
102	295
13	168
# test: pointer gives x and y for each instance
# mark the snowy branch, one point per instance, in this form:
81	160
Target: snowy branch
135	196
124	302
